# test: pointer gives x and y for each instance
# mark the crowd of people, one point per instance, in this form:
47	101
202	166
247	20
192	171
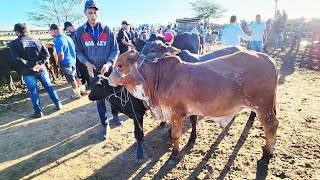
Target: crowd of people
92	48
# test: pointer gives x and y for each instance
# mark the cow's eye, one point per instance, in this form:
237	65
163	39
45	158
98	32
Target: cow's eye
119	67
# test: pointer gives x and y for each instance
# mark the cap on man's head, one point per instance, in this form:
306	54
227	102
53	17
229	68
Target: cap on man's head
125	22
90	4
168	37
54	27
67	24
20	27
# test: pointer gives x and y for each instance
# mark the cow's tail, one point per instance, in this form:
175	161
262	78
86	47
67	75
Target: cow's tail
274	105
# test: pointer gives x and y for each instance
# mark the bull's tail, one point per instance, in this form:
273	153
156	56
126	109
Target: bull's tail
274	105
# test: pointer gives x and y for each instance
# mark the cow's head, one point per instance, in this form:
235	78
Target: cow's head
125	70
99	89
155	50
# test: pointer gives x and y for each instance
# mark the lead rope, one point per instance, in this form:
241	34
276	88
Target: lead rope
124	98
134	112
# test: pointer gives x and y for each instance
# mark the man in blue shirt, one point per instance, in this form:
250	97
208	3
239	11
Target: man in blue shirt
232	33
258	33
65	49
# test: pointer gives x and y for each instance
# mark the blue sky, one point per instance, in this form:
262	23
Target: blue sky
112	12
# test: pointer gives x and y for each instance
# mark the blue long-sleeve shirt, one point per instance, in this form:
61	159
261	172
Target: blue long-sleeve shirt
97	45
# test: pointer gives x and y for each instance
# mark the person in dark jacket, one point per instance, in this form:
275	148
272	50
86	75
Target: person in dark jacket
82	71
31	55
124	38
97	48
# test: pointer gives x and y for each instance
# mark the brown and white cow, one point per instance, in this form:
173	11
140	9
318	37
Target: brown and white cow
218	88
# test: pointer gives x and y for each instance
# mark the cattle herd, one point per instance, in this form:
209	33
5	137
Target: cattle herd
175	82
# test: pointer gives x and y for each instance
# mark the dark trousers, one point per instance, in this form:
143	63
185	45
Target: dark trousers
82	73
103	113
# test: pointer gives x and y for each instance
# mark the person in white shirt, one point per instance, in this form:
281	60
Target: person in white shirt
232	33
258	34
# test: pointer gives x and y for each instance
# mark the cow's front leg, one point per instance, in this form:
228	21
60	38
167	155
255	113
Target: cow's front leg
138	133
176	131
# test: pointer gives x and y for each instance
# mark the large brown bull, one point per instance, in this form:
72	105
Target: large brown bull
218	88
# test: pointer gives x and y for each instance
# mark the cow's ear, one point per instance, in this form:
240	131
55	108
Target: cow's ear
132	56
173	50
137	75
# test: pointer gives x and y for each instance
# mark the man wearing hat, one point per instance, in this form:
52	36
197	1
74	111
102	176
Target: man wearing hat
82	71
123	38
97	48
31	55
67	58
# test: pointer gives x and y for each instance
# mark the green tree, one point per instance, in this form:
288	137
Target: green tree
207	9
56	11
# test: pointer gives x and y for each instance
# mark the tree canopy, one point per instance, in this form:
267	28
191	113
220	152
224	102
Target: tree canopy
207	9
56	11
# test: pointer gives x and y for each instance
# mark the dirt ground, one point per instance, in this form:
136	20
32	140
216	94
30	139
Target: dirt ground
63	144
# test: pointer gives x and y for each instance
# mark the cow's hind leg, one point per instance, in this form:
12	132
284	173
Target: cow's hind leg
193	137
270	126
176	131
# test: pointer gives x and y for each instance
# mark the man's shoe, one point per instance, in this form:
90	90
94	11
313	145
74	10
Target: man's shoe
107	131
37	115
75	96
58	107
103	132
117	119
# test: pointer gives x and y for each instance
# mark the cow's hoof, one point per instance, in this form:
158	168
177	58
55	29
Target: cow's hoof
140	161
173	159
140	151
267	155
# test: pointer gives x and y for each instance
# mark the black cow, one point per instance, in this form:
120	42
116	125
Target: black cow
157	49
189	57
182	41
187	41
134	108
